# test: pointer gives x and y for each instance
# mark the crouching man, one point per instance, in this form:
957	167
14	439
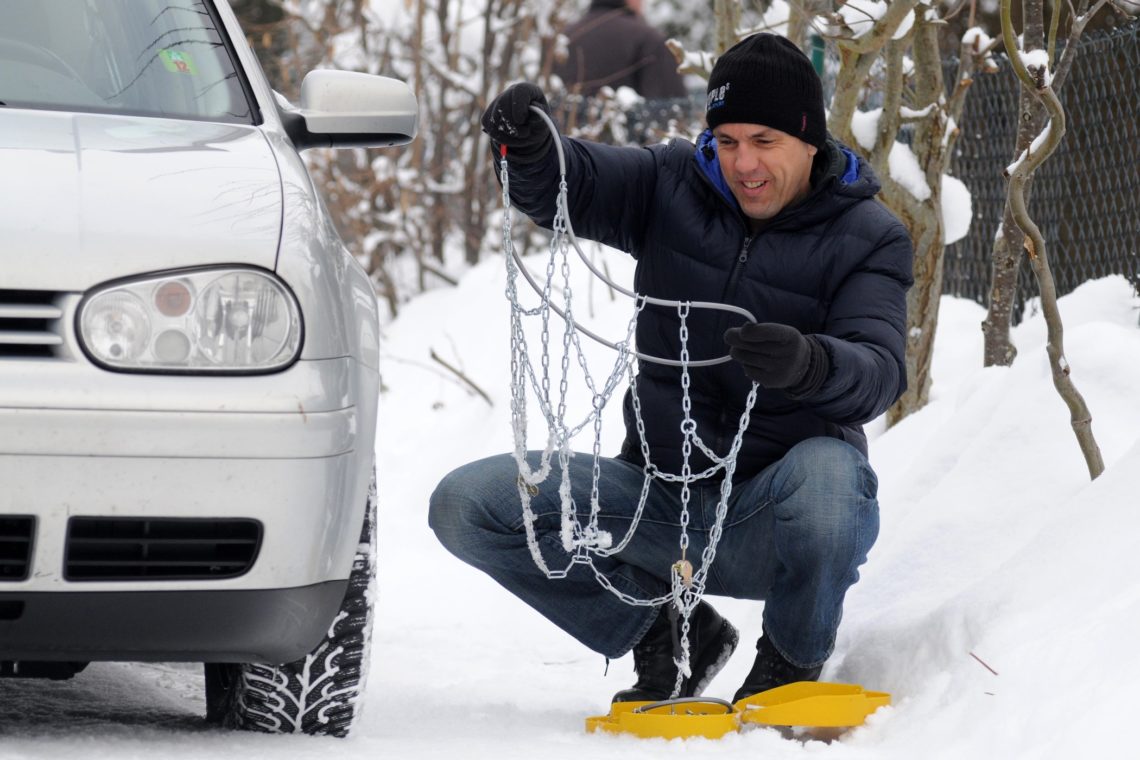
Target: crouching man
769	213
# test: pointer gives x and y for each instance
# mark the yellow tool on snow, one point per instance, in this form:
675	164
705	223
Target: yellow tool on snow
809	703
671	719
805	703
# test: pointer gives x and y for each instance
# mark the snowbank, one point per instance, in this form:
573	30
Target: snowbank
998	605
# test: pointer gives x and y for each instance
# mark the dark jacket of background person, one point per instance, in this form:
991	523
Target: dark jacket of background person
612	46
836	265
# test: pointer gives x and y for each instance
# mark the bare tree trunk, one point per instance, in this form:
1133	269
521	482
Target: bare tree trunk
800	15
922	302
387	289
1038	80
727	20
476	160
1009	243
798	25
998	348
924	222
419	147
438	171
923	104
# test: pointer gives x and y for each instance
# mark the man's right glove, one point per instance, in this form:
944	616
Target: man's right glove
510	122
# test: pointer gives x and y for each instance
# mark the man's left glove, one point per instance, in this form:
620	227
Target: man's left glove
510	122
779	357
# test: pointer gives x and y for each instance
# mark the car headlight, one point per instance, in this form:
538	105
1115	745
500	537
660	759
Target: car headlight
203	321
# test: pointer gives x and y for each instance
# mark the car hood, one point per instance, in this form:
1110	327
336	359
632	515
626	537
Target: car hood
90	198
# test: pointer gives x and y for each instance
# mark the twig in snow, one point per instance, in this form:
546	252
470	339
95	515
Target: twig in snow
983	663
459	374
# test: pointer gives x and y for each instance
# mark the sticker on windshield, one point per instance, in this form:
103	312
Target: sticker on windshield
178	62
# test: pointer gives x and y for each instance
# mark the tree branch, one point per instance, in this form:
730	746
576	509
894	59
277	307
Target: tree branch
463	377
1081	17
1080	417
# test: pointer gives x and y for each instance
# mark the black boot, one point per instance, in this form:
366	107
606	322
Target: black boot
712	639
771	670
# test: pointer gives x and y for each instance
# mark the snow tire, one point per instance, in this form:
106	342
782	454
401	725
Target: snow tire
321	693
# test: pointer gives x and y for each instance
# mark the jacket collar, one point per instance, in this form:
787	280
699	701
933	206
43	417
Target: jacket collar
709	164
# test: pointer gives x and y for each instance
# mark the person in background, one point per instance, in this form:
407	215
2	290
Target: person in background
767	212
613	46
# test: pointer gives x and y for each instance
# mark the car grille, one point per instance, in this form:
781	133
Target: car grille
127	549
31	324
15	546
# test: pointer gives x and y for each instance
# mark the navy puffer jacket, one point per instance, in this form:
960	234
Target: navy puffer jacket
836	265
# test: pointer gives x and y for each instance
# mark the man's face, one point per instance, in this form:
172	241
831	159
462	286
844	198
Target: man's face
766	169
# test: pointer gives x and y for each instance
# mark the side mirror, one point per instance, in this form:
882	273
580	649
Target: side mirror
348	109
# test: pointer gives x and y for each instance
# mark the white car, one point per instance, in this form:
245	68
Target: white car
188	361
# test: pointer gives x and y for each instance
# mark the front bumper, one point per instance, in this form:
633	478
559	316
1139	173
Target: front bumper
291	451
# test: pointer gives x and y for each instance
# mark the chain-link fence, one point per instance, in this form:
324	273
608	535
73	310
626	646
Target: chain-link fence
1084	197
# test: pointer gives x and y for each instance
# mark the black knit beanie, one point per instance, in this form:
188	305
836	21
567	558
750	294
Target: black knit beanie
765	79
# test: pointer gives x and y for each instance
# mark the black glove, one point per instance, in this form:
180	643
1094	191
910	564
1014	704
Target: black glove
779	357
509	121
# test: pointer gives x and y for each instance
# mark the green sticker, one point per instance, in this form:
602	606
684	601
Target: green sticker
178	62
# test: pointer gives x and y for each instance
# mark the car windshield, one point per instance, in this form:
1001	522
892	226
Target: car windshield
143	57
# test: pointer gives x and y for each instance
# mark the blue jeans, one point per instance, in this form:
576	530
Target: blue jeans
794	536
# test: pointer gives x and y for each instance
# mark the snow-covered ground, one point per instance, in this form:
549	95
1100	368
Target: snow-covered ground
999	605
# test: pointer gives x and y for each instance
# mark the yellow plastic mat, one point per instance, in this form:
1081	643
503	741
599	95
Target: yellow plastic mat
809	703
671	719
806	703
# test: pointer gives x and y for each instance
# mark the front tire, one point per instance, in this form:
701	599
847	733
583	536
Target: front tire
320	693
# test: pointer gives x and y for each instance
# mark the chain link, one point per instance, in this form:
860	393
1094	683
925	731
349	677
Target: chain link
584	542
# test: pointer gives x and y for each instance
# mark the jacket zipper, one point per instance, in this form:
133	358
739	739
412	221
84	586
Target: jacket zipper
738	267
730	288
742	257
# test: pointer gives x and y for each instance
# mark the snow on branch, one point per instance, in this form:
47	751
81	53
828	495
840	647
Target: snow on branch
1034	148
975	42
865	25
697	62
860	15
1036	62
911	114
